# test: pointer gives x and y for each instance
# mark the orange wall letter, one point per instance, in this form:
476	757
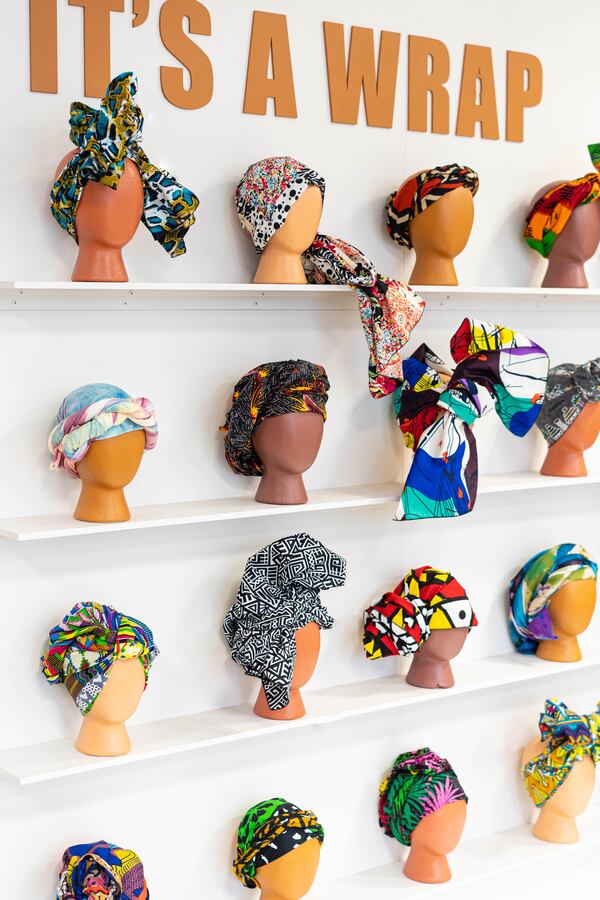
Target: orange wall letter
270	42
43	47
477	84
195	60
519	96
96	39
424	80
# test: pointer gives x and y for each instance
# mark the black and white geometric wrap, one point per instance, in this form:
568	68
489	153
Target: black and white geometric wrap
569	388
278	594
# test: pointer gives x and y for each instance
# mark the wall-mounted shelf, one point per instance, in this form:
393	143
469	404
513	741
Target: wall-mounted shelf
59	759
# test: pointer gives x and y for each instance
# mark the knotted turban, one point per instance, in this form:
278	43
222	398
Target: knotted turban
426	600
106	137
570	388
419	192
83	648
568	738
95	412
269	831
273	389
278	594
389	310
101	870
533	586
419	784
437	407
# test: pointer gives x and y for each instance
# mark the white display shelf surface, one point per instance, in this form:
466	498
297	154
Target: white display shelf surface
168	737
195	512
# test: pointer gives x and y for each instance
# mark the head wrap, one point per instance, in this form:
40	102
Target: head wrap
106	137
426	600
533	586
552	211
570	388
84	646
496	367
567	737
101	870
269	831
419	784
389	310
278	594
416	194
273	389
95	412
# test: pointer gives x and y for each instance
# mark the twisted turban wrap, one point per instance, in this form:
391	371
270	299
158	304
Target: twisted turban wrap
570	388
101	870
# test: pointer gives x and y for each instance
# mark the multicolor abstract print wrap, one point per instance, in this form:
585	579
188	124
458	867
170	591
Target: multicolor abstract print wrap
532	588
267	832
436	408
568	738
278	594
101	871
570	388
419	784
106	137
83	648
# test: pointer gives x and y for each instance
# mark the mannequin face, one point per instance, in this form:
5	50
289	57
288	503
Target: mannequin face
443	229
440	832
444	644
308	644
302	224
121	694
579	239
572	607
289	443
582	434
112	463
291	876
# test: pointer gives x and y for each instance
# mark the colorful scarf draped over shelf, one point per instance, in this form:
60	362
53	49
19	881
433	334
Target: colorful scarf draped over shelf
568	738
419	784
550	214
426	600
533	586
570	388
389	309
269	831
83	648
106	137
436	408
101	870
278	594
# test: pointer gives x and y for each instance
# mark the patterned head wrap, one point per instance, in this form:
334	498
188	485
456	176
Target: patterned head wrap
273	389
95	412
416	194
269	831
101	870
496	367
426	600
419	784
570	388
278	594
552	211
531	590
82	649
106	137
389	310
568	738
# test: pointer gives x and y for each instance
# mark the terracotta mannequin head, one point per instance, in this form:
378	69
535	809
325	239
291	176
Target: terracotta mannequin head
281	260
434	837
308	645
103	731
287	446
430	667
439	234
571	609
565	457
108	467
291	876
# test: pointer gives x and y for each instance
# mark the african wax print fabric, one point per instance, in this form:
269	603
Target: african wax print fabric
568	738
272	389
420	783
570	388
532	588
101	871
267	832
84	646
278	594
496	368
550	214
106	137
95	412
419	192
426	600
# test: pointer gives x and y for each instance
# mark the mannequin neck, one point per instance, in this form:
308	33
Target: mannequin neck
98	738
564	649
564	461
556	828
294	710
280	487
427	867
278	266
564	272
433	268
96	262
267	894
429	673
101	504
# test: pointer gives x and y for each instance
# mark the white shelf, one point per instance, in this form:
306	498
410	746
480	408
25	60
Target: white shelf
196	512
169	737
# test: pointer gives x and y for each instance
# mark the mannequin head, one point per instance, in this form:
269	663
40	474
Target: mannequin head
430	666
308	645
565	457
281	260
291	876
571	609
287	446
103	731
434	837
108	467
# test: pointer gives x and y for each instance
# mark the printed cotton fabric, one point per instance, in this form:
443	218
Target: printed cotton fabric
533	586
272	389
106	137
570	388
552	211
419	784
426	600
568	738
269	831
416	194
84	646
278	594
436	408
95	412
101	871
